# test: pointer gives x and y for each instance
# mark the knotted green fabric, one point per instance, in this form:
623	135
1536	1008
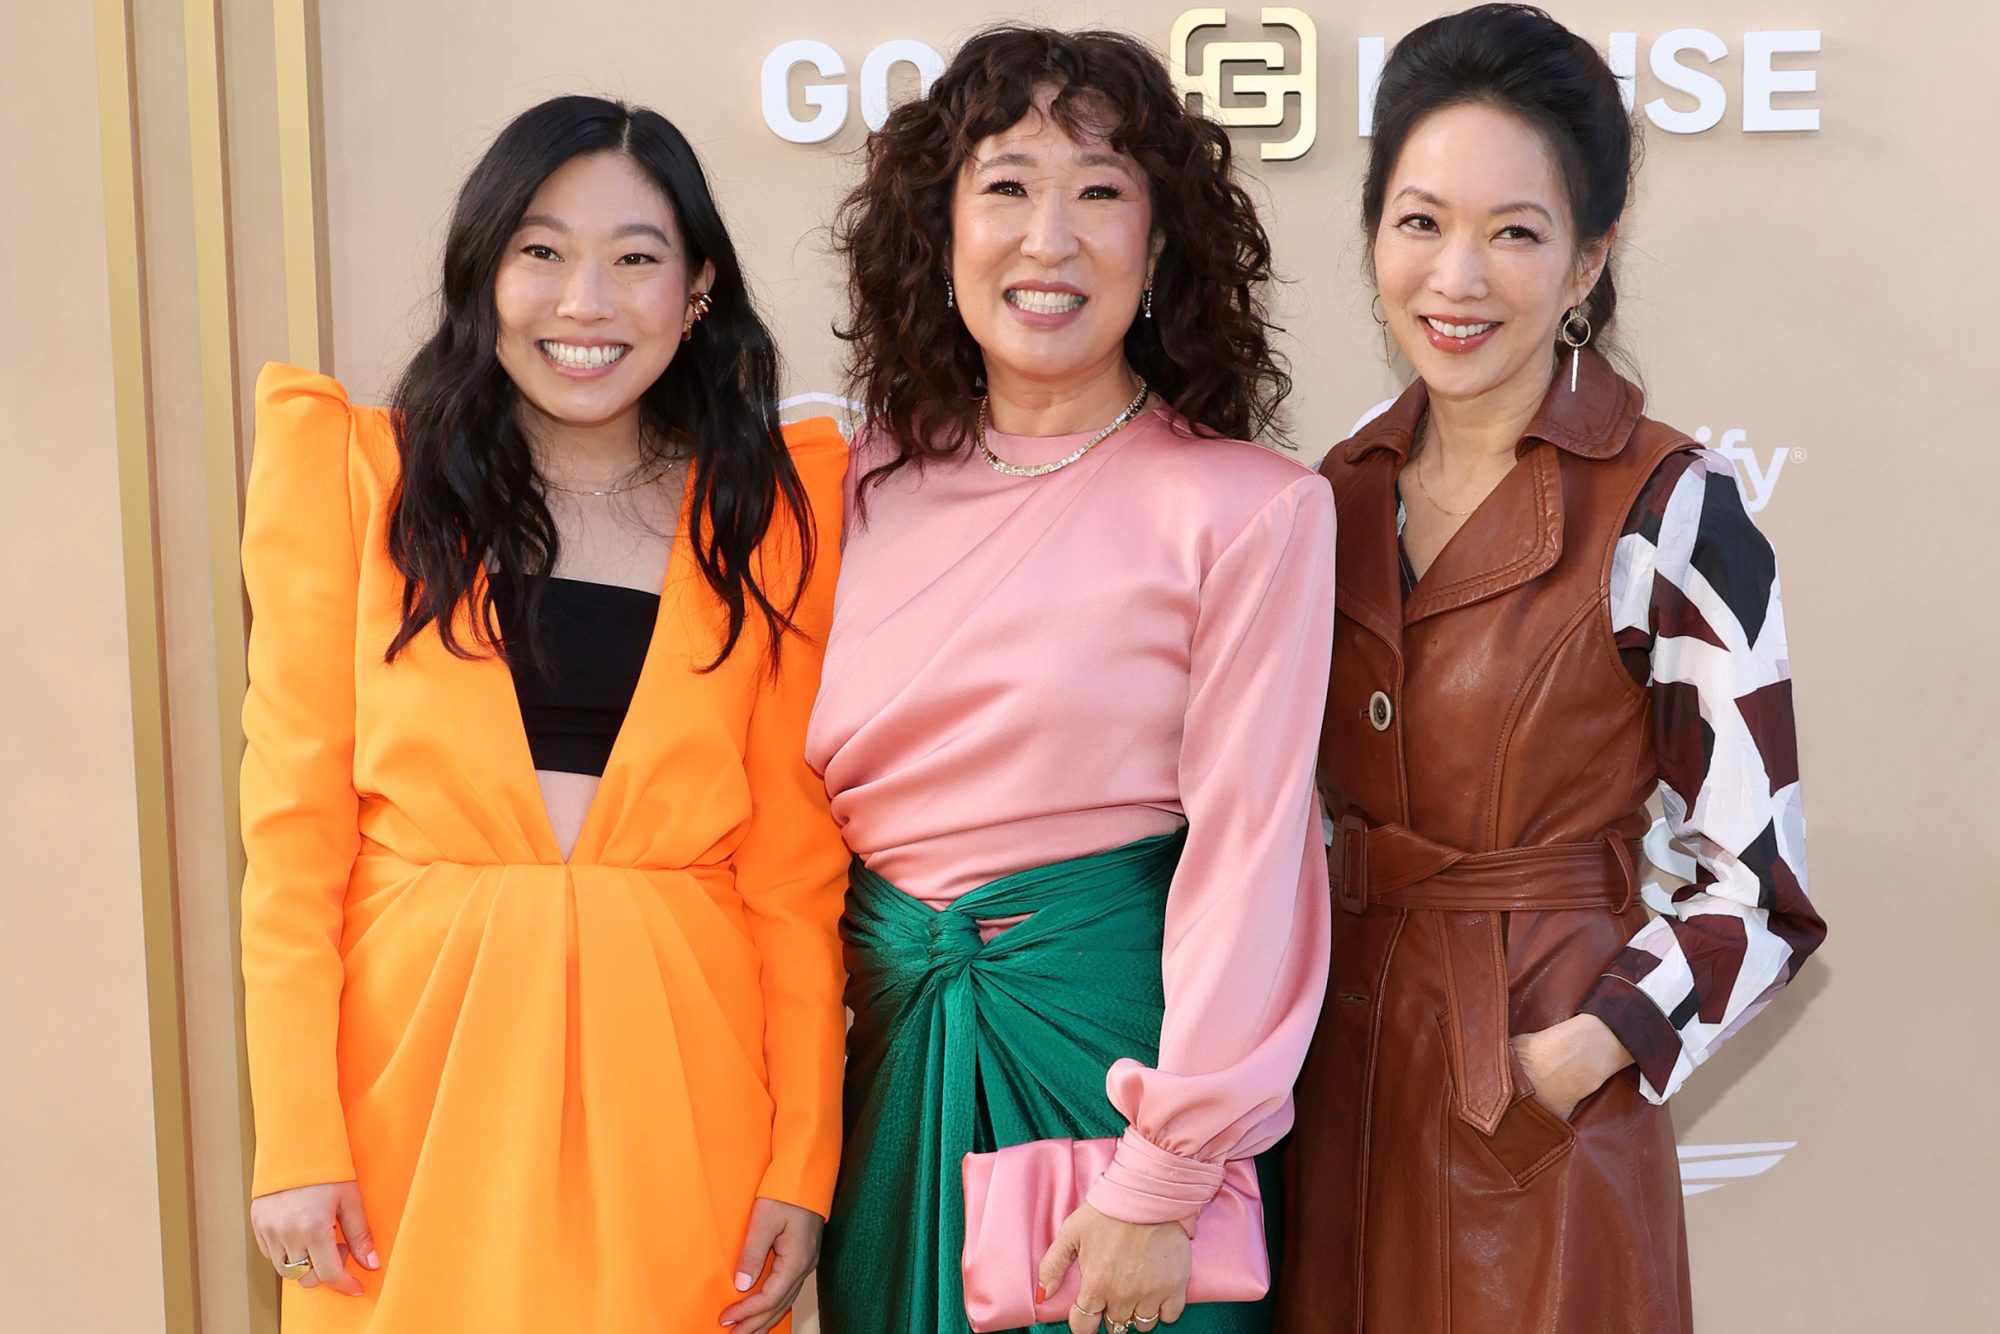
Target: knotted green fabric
963	1046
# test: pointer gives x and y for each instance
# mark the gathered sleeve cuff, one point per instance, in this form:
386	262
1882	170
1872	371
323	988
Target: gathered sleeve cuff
300	812
1248	918
791	867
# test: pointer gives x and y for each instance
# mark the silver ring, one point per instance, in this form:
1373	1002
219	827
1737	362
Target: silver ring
294	1269
1117	1327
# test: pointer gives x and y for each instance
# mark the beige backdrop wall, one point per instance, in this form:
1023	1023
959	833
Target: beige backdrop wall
77	1155
1814	299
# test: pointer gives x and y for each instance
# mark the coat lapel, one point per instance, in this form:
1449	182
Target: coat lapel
1515	535
1367	571
1368	584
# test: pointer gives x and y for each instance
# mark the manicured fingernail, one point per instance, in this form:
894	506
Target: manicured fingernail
1041	1293
374	1260
743	1282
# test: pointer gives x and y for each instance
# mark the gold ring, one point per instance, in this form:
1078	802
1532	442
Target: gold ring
1087	1315
1143	1323
295	1268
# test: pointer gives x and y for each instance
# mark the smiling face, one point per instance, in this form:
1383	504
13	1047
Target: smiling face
1052	240
593	294
1476	256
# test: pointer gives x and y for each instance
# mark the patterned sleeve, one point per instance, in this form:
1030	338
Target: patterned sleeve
1694	601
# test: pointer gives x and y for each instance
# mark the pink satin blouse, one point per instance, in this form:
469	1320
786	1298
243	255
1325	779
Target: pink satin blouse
1026	670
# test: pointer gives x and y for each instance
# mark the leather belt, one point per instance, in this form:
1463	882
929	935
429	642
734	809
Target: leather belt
1392	867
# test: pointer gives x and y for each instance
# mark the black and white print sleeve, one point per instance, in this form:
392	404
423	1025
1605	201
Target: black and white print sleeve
1695	604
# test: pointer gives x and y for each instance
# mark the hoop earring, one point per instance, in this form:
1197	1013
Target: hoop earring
1381	321
1146	304
1573	341
950	294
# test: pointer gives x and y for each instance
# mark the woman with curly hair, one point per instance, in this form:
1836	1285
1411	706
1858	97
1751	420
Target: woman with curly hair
1077	664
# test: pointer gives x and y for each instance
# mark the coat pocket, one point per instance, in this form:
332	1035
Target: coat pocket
1530	1139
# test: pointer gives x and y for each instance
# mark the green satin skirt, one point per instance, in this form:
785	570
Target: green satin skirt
960	1046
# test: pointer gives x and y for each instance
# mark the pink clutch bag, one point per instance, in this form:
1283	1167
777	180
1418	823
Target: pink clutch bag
1017	1198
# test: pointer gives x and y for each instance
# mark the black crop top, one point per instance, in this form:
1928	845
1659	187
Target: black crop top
593	644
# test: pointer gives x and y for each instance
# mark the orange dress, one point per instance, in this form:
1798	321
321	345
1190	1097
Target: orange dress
560	1084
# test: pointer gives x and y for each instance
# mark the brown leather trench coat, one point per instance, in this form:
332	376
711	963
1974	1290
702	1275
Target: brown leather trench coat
1487	759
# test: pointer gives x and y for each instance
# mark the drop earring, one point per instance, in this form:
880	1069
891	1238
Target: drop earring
950	295
1375	309
1575	341
1146	304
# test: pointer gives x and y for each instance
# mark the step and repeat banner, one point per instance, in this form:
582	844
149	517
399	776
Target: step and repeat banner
1804	282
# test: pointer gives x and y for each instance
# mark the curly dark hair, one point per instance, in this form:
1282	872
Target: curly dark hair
1207	351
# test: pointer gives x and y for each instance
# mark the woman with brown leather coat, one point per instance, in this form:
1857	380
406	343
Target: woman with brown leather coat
1549	607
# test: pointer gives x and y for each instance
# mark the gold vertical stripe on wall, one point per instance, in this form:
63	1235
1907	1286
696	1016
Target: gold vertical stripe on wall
222	452
307	318
139	519
215	298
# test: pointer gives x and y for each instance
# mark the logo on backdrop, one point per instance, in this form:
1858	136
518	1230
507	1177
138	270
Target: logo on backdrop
1755	478
1250	83
1202	74
1707	1167
829	98
1679	59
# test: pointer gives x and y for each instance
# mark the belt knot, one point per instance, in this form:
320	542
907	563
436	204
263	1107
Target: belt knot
952	940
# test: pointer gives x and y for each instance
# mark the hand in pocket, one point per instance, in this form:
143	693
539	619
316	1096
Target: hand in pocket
1566	1063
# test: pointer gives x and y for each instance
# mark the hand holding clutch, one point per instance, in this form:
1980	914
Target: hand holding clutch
1134	1275
1017	1199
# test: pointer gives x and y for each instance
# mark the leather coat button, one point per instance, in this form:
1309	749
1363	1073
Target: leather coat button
1380	711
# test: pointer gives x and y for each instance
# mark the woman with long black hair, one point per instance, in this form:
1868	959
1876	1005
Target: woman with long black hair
542	977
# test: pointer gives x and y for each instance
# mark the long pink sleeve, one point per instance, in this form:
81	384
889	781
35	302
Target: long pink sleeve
1248	918
1026	670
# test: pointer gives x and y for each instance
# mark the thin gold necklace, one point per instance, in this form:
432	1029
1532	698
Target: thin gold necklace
647	480
1001	465
1418	468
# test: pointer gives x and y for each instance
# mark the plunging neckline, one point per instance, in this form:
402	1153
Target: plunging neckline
543	832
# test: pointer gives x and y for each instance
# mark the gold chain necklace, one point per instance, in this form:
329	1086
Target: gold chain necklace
1418	469
1001	465
647	480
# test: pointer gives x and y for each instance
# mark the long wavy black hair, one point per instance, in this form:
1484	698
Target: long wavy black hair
469	495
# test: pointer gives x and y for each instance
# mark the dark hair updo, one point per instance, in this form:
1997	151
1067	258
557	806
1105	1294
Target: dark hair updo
1207	351
1518	59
